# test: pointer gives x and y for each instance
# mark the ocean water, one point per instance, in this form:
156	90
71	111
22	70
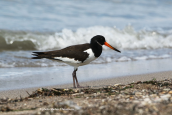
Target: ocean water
55	15
141	30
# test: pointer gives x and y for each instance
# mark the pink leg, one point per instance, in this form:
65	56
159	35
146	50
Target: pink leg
78	83
75	78
74	74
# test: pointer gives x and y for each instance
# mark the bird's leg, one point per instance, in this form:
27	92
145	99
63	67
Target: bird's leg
74	75
77	79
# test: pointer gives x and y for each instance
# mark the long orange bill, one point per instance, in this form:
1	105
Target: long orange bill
108	45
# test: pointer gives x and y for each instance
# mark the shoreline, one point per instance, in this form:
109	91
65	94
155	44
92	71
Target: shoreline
56	76
16	93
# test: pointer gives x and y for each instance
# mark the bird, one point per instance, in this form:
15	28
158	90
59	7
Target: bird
77	55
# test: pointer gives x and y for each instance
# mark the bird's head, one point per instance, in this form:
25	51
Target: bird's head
98	39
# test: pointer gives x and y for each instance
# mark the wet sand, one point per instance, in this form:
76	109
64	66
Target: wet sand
97	83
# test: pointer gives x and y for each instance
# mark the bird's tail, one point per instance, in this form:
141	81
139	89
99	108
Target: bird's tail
39	55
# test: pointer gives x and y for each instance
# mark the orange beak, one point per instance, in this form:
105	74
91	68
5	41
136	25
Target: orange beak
108	45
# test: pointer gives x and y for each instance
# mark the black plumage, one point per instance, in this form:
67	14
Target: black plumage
75	52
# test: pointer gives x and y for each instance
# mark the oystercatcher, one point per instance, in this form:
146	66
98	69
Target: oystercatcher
77	55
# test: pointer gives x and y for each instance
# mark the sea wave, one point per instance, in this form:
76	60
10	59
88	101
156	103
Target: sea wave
12	59
100	60
126	38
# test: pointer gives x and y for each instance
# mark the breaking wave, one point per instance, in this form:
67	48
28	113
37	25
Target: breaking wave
126	38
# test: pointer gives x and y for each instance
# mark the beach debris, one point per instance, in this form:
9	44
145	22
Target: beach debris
142	97
27	93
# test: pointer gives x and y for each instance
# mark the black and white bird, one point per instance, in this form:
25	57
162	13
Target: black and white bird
77	55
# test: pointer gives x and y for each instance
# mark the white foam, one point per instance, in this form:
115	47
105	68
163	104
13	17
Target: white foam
141	58
127	38
124	58
4	65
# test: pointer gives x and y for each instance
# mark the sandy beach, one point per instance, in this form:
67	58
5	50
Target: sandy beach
137	94
96	83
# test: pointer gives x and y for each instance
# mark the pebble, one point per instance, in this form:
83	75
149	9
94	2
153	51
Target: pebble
168	89
170	92
29	99
117	84
138	93
45	103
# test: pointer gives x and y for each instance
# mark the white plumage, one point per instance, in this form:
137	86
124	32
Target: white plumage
77	63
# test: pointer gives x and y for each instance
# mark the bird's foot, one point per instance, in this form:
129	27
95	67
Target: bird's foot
78	86
74	87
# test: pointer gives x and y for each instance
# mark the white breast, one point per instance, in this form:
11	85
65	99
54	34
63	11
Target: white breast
90	58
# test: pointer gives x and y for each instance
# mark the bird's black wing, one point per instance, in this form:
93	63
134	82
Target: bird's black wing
75	52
